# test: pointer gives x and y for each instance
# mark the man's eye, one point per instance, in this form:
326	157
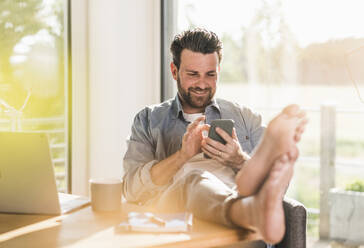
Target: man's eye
211	74
192	74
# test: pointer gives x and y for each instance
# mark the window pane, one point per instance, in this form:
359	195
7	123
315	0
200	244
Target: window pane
291	51
33	74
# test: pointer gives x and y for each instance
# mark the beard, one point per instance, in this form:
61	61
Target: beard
193	100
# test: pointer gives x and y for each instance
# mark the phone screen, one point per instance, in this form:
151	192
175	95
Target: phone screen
225	124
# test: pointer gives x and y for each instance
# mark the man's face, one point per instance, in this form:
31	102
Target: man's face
196	79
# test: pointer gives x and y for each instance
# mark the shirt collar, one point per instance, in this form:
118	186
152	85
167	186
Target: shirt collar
214	104
177	106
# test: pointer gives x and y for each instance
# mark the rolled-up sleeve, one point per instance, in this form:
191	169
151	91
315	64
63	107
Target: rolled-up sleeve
138	160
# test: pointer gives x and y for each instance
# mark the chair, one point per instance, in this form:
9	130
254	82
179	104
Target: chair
295	236
296	217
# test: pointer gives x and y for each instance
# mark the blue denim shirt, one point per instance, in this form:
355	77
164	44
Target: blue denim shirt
157	133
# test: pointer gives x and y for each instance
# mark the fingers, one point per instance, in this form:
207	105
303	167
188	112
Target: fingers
224	135
195	123
215	144
205	127
214	156
234	136
211	149
191	128
207	152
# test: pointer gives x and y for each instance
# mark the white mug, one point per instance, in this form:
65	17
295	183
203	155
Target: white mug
105	194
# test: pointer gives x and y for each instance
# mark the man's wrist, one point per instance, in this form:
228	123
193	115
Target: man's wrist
182	157
243	157
246	156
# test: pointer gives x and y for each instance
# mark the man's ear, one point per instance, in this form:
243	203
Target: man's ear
174	71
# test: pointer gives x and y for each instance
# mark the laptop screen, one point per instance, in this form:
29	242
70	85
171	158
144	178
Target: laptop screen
27	182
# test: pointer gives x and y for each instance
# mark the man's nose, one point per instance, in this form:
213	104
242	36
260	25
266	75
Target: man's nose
202	83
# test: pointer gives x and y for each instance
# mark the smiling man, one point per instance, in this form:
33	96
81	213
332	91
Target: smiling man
199	75
164	165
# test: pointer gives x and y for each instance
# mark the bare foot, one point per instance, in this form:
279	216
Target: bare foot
280	137
263	213
284	131
269	202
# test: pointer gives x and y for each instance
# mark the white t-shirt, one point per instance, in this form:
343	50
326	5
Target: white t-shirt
191	117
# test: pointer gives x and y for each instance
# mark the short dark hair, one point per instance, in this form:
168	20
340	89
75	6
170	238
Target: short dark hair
197	40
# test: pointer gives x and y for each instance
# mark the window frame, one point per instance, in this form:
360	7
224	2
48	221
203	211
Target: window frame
78	97
168	30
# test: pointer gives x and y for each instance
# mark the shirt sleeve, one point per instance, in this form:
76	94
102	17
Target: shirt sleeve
138	186
253	122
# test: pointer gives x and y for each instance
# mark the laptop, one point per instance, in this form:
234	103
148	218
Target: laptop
27	179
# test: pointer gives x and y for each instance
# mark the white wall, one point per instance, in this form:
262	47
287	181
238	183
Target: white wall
123	76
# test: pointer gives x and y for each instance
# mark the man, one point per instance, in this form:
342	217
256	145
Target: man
164	165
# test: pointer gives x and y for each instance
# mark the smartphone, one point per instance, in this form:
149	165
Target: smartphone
225	124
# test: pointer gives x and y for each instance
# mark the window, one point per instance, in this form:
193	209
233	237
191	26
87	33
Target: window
33	74
290	51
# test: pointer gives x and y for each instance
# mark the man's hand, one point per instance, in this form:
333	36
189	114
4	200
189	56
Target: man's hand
229	154
164	171
191	142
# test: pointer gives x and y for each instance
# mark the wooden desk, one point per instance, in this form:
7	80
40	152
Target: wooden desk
85	228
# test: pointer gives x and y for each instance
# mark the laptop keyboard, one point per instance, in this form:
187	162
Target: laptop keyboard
70	202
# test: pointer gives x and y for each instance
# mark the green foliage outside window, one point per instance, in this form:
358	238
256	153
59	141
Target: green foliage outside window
32	57
357	186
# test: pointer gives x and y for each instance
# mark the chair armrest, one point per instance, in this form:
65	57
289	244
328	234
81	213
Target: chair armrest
295	218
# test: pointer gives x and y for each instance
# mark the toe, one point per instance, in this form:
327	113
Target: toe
292	110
